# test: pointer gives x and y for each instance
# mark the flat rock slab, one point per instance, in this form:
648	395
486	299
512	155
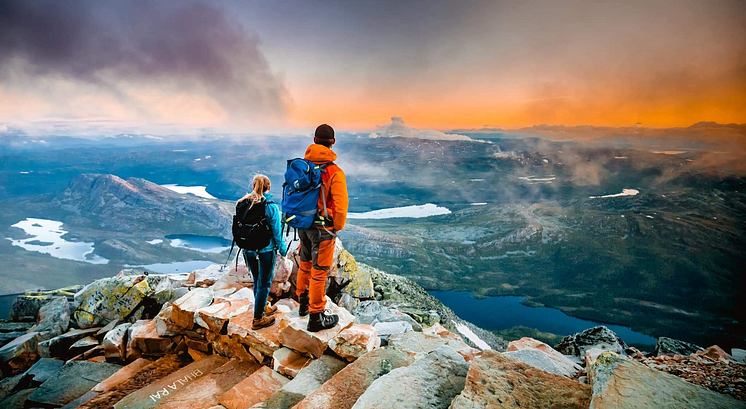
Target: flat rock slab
622	383
73	380
347	385
43	369
308	380
293	333
355	341
496	381
143	335
265	340
121	375
59	346
115	347
18	400
207	390
151	395
288	362
560	364
430	382
185	307
255	389
23	346
215	317
541	360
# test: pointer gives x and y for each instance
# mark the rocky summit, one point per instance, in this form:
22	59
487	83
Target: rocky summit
140	340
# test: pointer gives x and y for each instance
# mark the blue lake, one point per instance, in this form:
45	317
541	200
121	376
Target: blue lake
176	266
505	312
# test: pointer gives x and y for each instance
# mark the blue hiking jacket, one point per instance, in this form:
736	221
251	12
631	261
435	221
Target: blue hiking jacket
273	217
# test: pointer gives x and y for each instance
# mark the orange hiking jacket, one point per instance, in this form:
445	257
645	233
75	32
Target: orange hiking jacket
334	188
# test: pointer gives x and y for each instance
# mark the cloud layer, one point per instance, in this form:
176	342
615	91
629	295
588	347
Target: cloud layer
135	51
397	128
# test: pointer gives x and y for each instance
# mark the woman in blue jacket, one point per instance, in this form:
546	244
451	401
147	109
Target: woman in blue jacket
262	263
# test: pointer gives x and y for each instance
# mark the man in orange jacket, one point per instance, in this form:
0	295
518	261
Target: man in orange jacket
317	243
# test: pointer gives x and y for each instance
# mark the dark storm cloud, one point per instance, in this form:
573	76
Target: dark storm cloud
191	46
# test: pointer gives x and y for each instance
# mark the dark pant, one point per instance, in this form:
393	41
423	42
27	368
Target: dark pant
262	266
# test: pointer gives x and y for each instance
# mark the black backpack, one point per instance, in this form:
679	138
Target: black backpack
250	225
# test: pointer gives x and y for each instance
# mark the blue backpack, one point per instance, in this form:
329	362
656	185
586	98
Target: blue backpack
300	192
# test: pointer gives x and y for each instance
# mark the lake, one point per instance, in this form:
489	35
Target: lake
175	267
204	244
505	312
46	237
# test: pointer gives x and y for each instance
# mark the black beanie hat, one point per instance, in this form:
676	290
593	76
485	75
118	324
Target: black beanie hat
324	132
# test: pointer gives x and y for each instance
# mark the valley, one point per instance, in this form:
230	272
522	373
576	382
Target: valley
554	222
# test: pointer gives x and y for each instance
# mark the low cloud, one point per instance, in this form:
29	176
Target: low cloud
131	50
397	128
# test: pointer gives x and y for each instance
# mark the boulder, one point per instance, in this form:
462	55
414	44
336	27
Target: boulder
53	318
294	335
163	323
215	317
620	382
416	344
559	364
739	355
167	288
207	276
496	381
83	344
715	353
244	293
670	346
73	380
143	338
308	380
430	382
387	329
353	342
229	346
288	362
256	388
599	337
43	369
541	360
19	353
26	307
265	340
372	312
115	343
109	299
11	384
186	307
59	346
354	281
347	385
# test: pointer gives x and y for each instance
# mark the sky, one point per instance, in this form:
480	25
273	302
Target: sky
88	67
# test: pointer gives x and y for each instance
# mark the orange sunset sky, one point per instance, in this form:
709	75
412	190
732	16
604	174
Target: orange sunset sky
85	67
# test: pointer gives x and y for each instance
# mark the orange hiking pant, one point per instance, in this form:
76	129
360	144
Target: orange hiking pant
316	257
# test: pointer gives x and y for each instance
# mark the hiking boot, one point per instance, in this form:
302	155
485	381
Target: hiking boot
303	300
270	310
263	322
322	320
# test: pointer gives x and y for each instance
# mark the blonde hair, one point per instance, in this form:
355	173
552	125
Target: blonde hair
259	186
